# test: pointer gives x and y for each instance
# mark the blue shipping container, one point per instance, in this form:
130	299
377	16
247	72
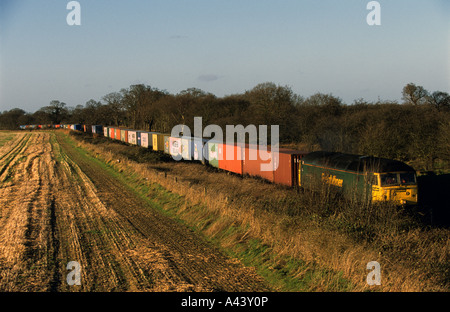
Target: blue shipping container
97	129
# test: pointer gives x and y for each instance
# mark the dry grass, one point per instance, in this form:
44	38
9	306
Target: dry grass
315	228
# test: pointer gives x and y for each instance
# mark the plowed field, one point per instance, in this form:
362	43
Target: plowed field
58	204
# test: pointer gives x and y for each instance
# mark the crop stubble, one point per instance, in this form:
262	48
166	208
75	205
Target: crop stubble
58	205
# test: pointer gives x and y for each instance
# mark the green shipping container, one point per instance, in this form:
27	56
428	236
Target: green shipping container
166	144
123	135
213	154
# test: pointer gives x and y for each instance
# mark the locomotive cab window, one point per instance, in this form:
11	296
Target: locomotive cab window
388	179
407	178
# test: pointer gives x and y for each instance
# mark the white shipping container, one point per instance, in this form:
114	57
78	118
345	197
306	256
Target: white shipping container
144	139
175	147
186	148
199	149
132	139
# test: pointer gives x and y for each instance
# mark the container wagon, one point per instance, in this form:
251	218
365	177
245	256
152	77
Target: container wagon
132	137
288	168
167	144
158	141
200	150
124	135
213	153
76	127
253	162
146	139
175	147
97	129
231	158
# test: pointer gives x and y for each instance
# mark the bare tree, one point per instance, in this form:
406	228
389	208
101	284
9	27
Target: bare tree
413	94
440	100
56	111
116	108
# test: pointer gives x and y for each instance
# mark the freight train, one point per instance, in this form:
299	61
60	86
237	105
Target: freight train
361	177
358	177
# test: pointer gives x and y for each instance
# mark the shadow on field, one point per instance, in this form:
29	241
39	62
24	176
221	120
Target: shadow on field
434	192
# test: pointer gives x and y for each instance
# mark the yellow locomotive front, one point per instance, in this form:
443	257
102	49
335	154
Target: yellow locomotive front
398	187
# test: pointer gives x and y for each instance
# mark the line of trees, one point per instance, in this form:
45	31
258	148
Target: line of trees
418	129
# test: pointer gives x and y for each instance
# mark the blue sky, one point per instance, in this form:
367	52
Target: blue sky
220	46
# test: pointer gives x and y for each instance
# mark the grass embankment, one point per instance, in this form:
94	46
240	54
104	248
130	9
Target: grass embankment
297	241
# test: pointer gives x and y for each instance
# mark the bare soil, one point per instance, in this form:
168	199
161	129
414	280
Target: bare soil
58	206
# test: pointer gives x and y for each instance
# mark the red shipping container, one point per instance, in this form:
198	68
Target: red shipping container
253	161
288	166
231	158
117	136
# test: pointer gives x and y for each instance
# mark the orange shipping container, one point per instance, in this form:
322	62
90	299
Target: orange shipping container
253	162
231	158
